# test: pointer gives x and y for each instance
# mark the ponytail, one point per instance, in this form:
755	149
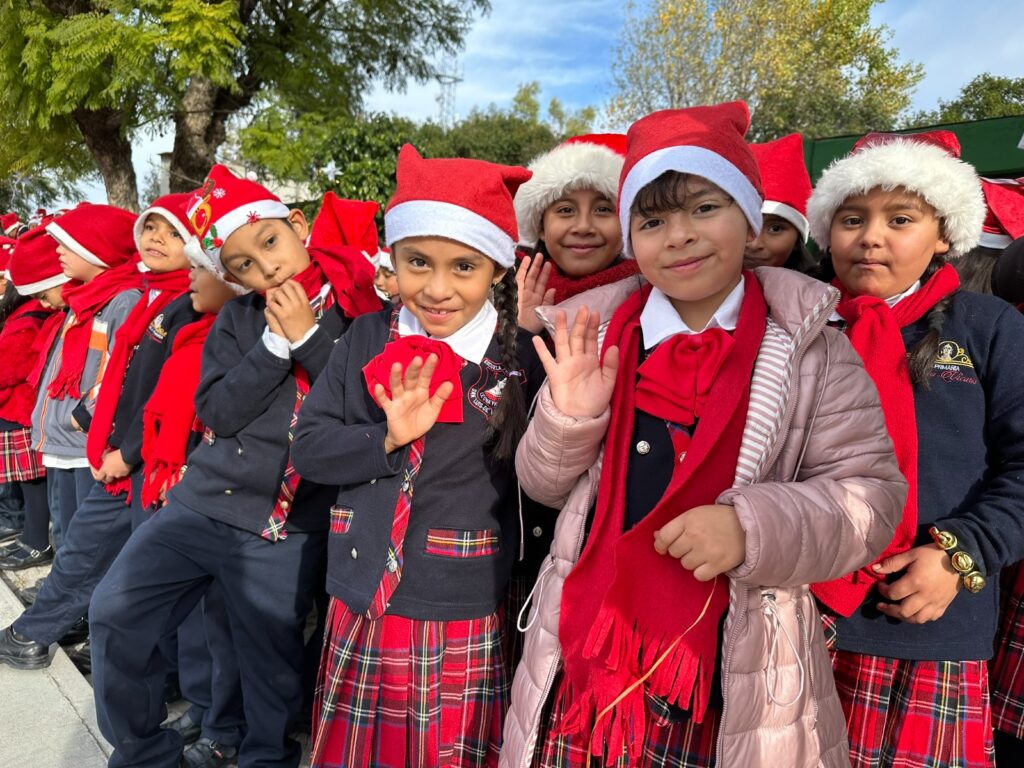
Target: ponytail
508	421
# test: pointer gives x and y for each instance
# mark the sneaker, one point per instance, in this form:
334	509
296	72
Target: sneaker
22	652
207	753
189	729
21	557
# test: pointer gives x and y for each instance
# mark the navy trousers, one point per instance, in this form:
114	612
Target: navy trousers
72	488
156	581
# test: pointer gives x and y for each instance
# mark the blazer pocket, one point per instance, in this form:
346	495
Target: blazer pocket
341	519
450	542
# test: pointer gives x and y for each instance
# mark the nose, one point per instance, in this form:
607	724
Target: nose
270	269
872	232
438	287
583	223
679	229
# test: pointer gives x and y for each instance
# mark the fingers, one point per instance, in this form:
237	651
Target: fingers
438	399
578	336
425	374
561	336
396	380
544	276
610	366
381	396
549	297
591	332
522	275
914	610
895	563
667	535
546	359
899	589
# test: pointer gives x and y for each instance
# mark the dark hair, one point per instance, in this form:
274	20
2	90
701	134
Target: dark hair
1008	275
508	421
976	268
668	192
801	259
9	302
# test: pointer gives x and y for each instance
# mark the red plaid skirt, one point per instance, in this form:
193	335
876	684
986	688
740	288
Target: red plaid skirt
18	462
915	714
671	740
1007	668
396	692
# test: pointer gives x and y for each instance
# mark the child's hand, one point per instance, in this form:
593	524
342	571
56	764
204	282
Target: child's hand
74	423
926	589
112	468
290	307
708	540
411	411
580	385
532	283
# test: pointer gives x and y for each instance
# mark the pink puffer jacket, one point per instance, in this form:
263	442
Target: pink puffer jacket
818	494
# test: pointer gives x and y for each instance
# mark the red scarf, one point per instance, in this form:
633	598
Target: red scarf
566	287
170	415
403	350
171	285
85	300
350	275
44	343
874	331
627	612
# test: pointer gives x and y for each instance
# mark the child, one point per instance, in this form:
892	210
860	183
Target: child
424	400
1004	221
240	514
782	241
913	632
728	428
25	321
385	280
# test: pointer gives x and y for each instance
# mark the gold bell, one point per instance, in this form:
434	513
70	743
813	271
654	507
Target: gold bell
962	562
944	539
974	582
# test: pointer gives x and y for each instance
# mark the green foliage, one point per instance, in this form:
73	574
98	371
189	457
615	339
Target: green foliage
984	97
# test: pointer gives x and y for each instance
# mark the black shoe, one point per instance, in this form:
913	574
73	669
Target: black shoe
81	657
207	753
8	531
78	633
28	595
22	557
172	690
22	652
186	726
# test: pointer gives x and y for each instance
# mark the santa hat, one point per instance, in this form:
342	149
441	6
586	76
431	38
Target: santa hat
925	164
6	249
384	259
223	204
10	224
1004	220
787	185
702	141
34	265
101	234
593	161
469	201
174	208
347	222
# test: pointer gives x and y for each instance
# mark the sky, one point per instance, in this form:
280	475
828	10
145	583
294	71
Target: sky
568	46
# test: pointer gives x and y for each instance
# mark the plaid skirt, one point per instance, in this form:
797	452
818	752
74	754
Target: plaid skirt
18	462
396	692
915	714
1007	667
670	741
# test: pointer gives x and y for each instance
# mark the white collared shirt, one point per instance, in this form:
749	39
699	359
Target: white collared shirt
470	342
659	319
892	301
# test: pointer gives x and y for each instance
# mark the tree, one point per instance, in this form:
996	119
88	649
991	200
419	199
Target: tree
984	97
815	66
98	71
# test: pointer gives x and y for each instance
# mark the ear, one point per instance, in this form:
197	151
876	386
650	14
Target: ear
499	275
942	244
297	221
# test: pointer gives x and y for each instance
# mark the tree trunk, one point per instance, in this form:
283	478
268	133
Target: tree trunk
112	151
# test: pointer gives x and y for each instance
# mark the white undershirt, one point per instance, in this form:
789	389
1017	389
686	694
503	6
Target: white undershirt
470	342
659	320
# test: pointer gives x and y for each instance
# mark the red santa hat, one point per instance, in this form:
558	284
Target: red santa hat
347	222
925	164
34	265
6	249
702	141
1004	221
10	224
174	208
103	235
593	161
222	205
787	185
469	201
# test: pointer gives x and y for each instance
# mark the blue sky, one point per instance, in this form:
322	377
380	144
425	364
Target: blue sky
568	46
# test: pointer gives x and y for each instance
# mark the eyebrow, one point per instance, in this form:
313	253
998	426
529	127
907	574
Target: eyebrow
411	250
896	205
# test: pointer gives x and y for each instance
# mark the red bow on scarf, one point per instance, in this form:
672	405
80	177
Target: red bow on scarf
403	350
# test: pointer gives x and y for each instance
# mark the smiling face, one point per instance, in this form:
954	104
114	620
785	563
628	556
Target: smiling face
74	266
582	232
162	247
773	246
692	250
207	291
883	241
442	282
265	254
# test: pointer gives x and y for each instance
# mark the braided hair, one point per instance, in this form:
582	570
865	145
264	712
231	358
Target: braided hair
922	357
508	421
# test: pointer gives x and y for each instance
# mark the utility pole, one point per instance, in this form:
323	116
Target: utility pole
448	75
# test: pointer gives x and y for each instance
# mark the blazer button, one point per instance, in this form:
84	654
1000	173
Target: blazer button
538	531
240	450
392	566
354	553
285	505
228	492
374	481
643	447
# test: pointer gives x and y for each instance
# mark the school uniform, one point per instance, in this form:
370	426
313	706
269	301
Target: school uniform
212	529
415	582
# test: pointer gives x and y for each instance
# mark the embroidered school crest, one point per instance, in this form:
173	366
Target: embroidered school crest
156	328
485	394
953	364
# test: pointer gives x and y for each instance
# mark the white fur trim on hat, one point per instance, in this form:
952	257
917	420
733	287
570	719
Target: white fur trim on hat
250	213
174	221
432	218
566	168
994	240
787	212
949	185
697	161
61	236
41	285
